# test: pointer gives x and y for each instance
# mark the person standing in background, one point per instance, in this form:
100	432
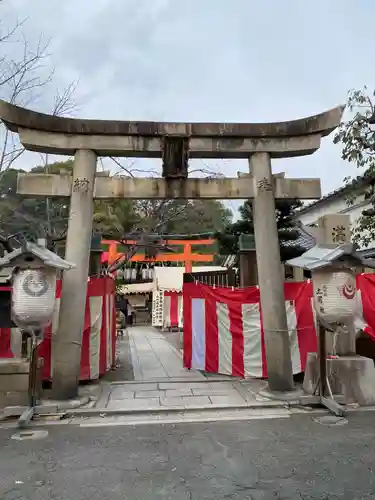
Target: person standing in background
122	305
131	314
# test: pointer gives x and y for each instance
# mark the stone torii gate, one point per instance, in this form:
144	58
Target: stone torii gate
175	143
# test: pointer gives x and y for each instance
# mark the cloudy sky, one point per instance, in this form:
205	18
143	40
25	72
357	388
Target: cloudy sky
208	60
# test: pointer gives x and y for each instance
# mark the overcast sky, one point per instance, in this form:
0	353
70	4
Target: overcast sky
209	60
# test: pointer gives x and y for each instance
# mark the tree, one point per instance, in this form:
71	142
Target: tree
200	216
25	74
163	218
357	137
26	218
285	211
114	218
22	76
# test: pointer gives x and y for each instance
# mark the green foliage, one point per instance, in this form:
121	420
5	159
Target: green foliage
114	218
357	138
32	218
162	217
199	216
48	218
285	210
357	135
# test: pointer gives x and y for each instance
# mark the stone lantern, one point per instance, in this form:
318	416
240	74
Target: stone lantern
34	275
336	306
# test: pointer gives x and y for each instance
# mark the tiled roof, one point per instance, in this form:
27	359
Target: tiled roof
306	238
358	182
321	256
49	258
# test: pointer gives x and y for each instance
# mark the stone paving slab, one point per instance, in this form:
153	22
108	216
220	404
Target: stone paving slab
211	390
161	381
186	401
134	387
153	357
221	385
179	379
134	405
147	394
184	394
152	374
119	394
183	385
229	400
180	392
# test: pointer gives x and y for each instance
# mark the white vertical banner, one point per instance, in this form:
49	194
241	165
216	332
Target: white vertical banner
109	332
293	336
55	326
167	311
225	339
198	323
157	308
107	329
252	349
180	311
96	318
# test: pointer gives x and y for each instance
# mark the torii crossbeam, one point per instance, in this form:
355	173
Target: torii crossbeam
175	143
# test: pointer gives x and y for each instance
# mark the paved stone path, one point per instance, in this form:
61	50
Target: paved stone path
154	358
186	394
161	382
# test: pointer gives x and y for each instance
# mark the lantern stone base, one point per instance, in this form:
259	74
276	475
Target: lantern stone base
14	382
350	376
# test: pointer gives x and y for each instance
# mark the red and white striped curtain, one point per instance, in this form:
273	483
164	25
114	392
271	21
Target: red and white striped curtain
99	333
172	315
223	329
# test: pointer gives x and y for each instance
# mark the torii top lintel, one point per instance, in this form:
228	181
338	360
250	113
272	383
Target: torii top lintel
16	118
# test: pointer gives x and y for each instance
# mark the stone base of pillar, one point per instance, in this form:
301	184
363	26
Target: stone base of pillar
350	376
287	396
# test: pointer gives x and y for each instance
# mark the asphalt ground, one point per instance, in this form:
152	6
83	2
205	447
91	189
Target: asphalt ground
281	458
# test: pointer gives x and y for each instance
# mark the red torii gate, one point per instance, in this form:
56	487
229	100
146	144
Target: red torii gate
187	255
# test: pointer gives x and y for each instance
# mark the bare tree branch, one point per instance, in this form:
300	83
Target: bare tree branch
64	102
23	76
20	80
129	170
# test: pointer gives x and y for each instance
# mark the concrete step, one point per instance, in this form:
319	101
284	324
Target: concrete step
157	409
173	417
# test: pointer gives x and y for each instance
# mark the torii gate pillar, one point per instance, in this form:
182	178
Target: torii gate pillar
270	276
74	285
174	143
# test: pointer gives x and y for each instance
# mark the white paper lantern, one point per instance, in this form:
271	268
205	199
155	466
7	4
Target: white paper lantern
33	297
335	295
